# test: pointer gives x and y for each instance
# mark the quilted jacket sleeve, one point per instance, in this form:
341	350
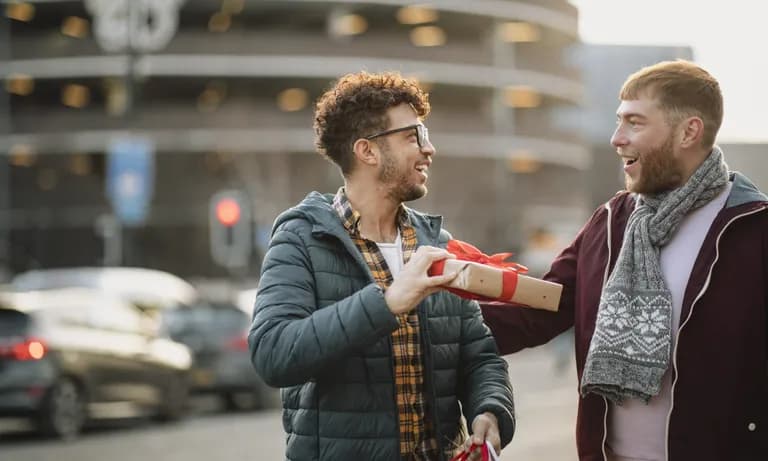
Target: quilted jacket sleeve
291	340
484	377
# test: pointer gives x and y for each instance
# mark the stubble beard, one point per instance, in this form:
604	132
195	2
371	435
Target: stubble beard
660	171
400	188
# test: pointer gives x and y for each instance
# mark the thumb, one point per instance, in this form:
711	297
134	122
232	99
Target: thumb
478	437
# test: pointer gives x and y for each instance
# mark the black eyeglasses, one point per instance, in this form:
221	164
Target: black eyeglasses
422	134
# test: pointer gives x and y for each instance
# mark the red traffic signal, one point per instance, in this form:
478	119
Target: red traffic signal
230	228
228	211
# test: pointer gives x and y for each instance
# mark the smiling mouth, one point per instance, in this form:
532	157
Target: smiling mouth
629	161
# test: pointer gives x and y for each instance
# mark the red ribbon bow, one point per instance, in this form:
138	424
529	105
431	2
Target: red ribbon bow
464	455
467	252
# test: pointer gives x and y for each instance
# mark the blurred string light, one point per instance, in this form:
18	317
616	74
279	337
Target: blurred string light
220	22
47	179
232	6
345	25
116	96
75	95
523	162
212	96
522	97
22	155
428	36
416	14
519	32
20	11
80	164
292	99
75	27
20	84
423	84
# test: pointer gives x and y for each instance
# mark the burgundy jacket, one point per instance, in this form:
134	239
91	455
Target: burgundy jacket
720	367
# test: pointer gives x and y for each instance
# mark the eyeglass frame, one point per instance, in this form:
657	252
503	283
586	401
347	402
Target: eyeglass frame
422	134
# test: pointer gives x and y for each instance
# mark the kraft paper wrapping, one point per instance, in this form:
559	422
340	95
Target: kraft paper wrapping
488	281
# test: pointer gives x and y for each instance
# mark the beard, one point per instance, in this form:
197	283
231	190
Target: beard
659	172
401	188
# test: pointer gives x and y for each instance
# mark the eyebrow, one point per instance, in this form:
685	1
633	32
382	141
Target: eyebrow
627	115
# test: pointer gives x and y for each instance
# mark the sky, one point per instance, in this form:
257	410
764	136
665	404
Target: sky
729	39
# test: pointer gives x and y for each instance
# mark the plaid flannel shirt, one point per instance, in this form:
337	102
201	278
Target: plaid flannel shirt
417	438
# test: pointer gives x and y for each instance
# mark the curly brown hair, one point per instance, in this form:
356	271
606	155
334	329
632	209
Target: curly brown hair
356	107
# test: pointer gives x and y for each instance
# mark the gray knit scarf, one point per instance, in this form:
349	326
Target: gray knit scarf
630	349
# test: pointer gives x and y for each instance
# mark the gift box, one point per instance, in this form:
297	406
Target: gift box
491	278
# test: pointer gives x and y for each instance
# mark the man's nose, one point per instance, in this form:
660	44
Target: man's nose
619	138
428	148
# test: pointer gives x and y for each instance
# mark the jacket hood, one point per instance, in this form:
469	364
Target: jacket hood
316	208
743	191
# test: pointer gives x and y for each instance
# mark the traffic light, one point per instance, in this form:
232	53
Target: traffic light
230	228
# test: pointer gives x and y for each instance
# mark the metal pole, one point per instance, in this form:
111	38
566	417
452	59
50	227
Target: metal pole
5	177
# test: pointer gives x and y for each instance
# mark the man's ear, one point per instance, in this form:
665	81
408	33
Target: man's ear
366	151
692	132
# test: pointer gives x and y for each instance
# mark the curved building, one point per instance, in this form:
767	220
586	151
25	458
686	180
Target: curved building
221	94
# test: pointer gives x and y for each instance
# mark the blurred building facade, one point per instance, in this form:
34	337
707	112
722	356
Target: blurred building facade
223	91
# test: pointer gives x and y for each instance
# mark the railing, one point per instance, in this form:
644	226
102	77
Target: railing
460	50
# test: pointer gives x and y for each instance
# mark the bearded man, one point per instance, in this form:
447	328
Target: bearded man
666	287
375	360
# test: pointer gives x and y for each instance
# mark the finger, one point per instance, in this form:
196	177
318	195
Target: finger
435	254
495	439
440	280
429	249
479	431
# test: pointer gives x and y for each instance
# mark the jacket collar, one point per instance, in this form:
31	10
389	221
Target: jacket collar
318	209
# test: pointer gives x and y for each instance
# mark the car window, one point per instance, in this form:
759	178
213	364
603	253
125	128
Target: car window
212	320
13	322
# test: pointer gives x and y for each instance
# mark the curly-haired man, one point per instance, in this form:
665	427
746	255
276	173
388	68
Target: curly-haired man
375	361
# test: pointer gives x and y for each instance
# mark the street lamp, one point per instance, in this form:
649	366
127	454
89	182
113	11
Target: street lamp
131	27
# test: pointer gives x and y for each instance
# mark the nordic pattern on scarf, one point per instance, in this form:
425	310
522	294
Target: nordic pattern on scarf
417	440
631	347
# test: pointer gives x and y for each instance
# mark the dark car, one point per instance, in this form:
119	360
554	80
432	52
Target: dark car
73	356
217	335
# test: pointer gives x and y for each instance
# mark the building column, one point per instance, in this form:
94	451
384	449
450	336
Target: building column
5	176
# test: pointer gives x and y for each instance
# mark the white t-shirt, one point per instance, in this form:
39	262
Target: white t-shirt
393	254
636	431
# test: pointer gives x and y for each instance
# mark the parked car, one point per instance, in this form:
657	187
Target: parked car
73	356
147	288
216	333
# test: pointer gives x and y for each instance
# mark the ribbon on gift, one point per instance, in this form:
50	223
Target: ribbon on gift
464	455
467	252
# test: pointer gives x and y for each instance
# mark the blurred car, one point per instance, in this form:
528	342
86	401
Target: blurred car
73	356
146	288
216	332
246	300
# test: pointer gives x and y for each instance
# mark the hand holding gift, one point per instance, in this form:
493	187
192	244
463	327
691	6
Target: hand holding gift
491	278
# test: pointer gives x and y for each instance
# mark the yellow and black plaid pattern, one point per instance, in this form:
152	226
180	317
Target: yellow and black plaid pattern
417	440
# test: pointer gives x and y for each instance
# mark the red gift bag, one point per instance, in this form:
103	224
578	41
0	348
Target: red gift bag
464	455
